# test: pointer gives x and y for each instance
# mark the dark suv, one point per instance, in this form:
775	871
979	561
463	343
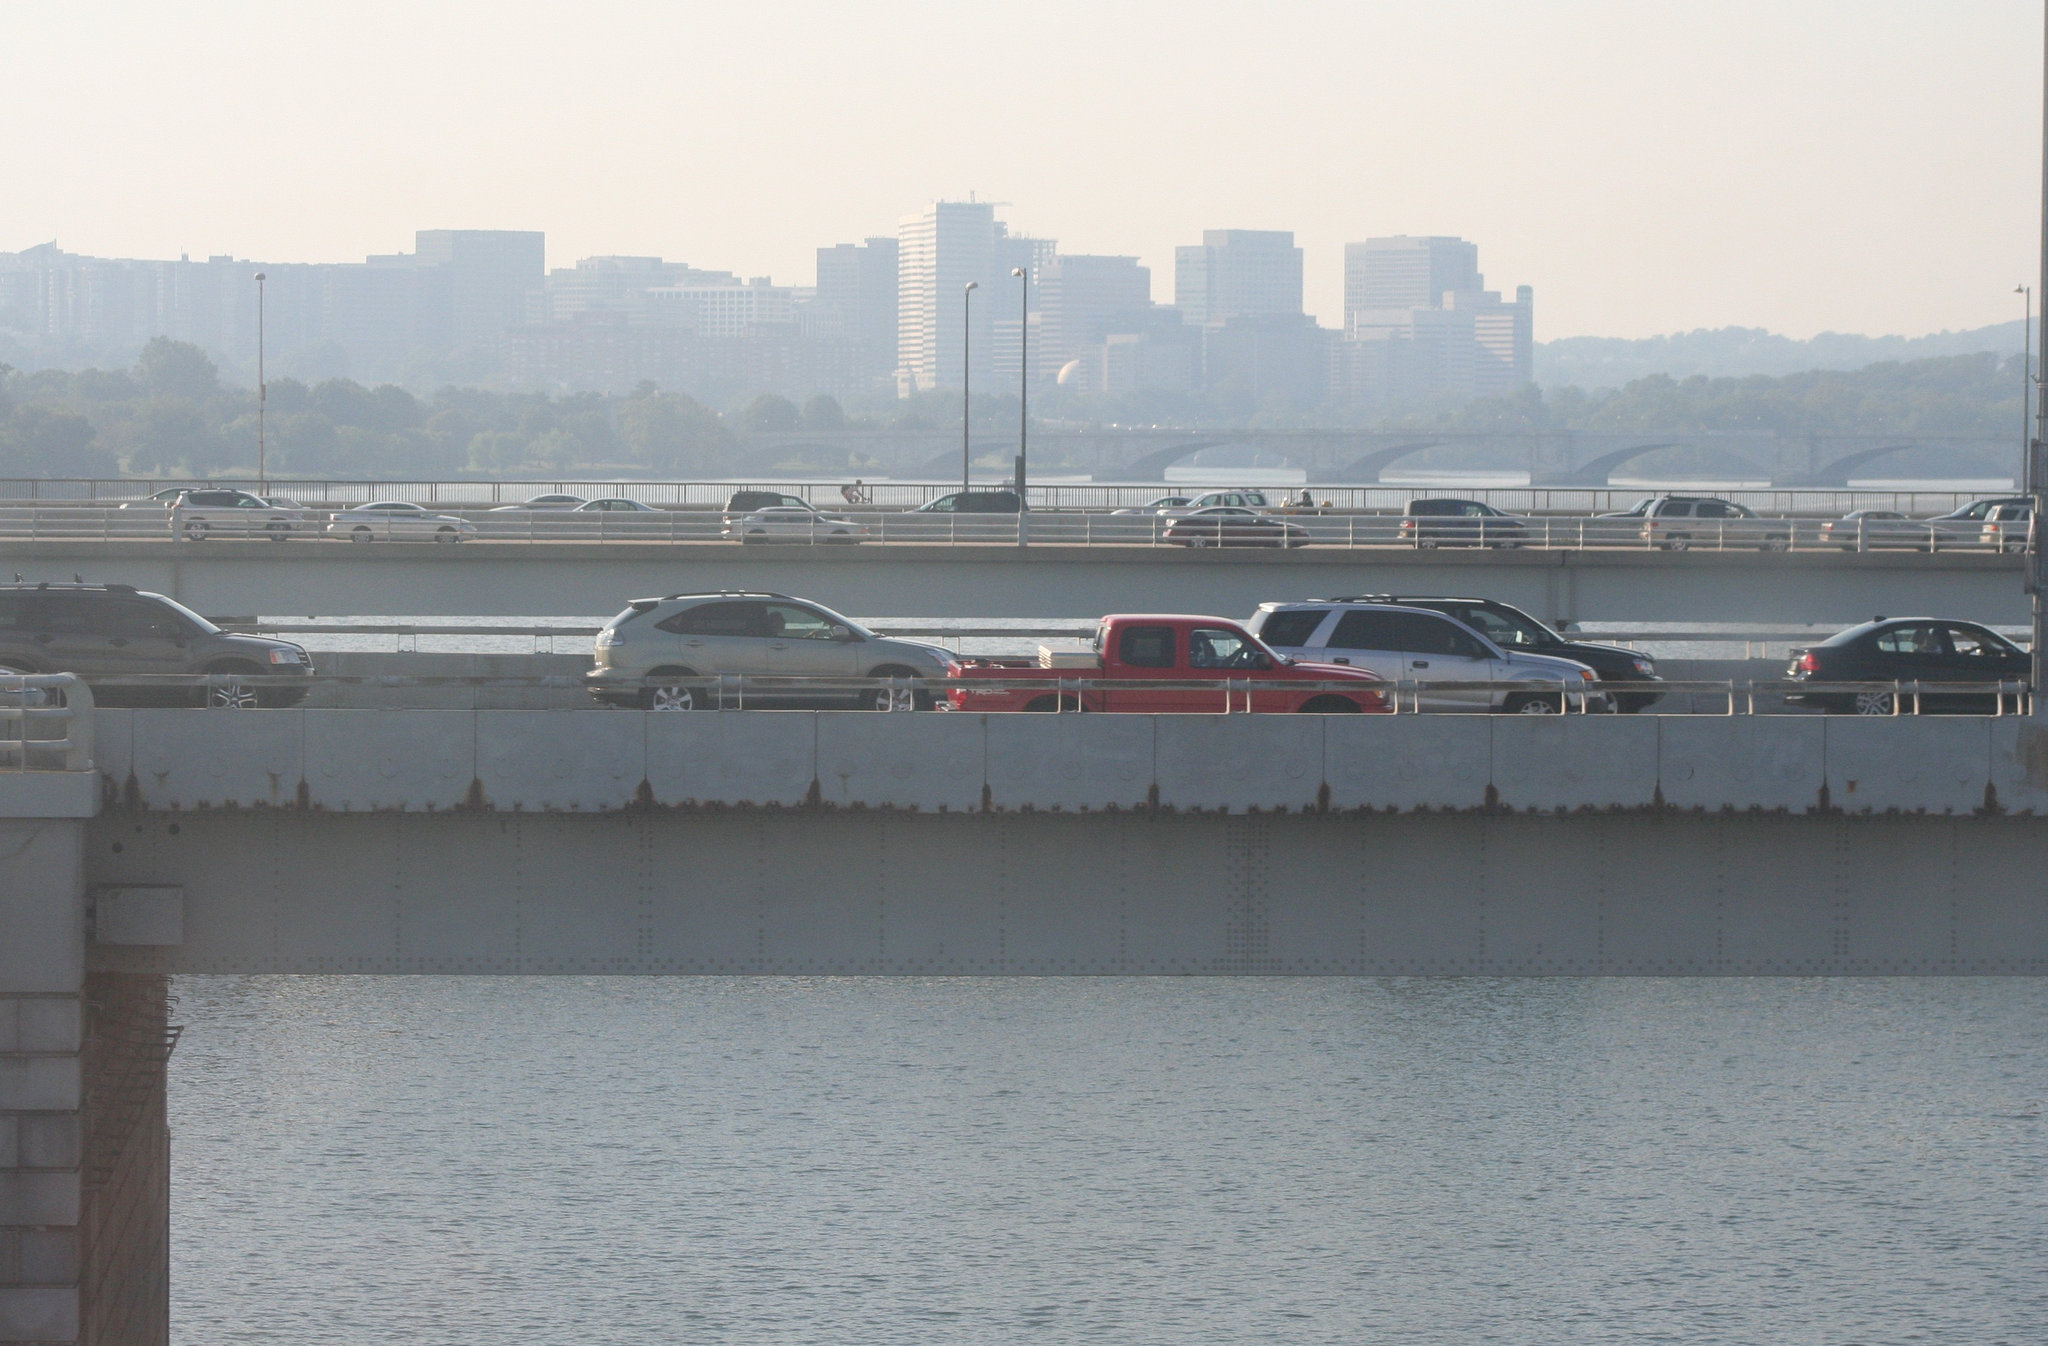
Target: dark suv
112	631
1513	629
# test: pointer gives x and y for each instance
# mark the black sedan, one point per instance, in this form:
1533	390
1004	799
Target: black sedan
1930	651
1229	526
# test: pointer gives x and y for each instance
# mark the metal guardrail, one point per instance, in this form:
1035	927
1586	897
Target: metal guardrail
908	494
1405	696
1352	530
46	722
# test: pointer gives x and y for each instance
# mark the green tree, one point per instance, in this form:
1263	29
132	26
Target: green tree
176	369
823	412
672	433
40	441
769	414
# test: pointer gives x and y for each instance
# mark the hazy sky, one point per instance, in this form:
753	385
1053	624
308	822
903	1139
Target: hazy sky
1648	167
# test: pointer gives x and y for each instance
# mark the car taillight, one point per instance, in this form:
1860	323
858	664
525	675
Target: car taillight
1809	662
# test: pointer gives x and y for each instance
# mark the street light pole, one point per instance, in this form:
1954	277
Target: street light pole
2034	491
262	396
2026	387
1023	400
966	373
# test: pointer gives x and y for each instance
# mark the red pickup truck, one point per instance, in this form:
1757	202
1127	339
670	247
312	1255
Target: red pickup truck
1200	665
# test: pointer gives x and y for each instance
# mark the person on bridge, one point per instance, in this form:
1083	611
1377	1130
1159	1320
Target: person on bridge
856	494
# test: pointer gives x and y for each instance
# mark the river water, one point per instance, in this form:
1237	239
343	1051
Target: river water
541	1161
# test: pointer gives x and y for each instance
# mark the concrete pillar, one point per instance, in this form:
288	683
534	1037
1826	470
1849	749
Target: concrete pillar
84	1162
42	1094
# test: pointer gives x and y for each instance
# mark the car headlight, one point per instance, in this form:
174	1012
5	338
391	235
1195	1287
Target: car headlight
287	656
1646	668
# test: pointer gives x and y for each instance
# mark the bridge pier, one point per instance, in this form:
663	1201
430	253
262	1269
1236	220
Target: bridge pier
84	1147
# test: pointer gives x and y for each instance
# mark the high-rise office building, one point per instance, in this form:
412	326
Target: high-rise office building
939	252
1238	273
1404	272
1420	325
857	286
1082	300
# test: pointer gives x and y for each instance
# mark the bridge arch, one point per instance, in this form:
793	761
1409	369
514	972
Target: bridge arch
1837	472
1366	471
1152	466
1599	471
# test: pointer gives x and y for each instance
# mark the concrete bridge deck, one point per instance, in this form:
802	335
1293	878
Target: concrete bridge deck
582	580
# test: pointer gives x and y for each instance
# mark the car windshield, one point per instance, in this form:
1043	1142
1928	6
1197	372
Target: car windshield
395	504
208	627
1517	631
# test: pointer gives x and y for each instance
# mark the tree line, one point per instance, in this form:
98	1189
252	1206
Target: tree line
171	416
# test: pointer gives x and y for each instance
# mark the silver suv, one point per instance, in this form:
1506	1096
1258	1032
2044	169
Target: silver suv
1456	667
752	635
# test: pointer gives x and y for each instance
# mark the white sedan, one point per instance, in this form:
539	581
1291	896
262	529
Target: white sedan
787	523
399	521
543	502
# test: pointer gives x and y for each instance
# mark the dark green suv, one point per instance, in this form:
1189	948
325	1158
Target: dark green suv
101	631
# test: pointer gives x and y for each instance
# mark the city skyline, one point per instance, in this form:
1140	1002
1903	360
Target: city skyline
1650	172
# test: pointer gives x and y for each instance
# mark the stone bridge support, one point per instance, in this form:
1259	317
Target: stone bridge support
84	1148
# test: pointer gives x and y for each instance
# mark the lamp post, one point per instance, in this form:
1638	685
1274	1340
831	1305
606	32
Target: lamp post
2033	479
966	372
1023	400
262	396
2026	384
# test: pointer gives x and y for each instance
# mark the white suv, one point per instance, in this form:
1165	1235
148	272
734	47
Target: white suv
1452	663
695	637
199	514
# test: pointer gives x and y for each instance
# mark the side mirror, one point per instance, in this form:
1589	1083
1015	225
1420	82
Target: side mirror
843	634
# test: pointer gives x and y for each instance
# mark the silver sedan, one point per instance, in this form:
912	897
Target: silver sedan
399	521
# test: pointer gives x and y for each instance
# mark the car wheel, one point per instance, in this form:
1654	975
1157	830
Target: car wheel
279	532
1527	704
233	695
1677	544
1776	544
196	531
446	534
2013	544
361	534
895	698
1873	703
1331	704
672	696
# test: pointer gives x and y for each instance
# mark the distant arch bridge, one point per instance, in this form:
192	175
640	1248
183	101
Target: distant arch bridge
1364	457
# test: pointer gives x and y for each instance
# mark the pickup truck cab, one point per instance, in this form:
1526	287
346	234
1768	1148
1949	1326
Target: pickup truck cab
1201	665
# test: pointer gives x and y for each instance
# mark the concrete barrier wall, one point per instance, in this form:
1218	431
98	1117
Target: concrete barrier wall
812	892
576	580
607	760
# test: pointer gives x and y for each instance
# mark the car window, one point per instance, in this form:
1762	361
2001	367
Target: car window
1499	628
249	502
943	505
1257	498
1911	640
1289	628
137	619
1146	646
791	622
1710	509
1972	642
67	614
715	619
1365	631
1211	648
210	499
1674	509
